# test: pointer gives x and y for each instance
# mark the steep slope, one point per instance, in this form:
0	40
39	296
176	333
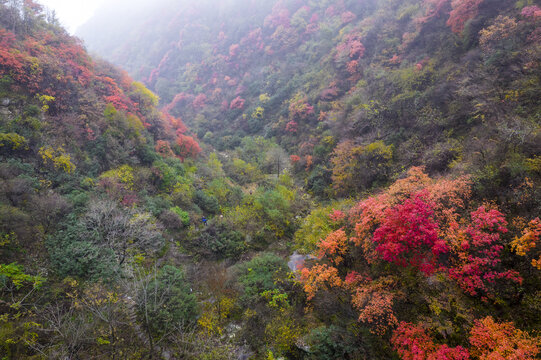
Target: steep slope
103	249
432	262
123	236
346	85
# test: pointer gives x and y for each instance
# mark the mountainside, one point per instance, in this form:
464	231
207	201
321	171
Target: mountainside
443	84
285	179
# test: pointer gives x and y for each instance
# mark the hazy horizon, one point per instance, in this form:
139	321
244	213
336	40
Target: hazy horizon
72	13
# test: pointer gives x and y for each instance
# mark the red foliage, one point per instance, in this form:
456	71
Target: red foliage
278	17
295	158
433	9
408	235
292	126
413	343
337	216
188	146
319	277
374	302
478	257
234	50
351	47
330	11
351	66
462	11
176	123
347	17
237	103
299	109
531	12
199	101
334	246
178	99
163	148
309	160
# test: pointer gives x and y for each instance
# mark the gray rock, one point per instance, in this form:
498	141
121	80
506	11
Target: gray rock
5	101
296	261
4	111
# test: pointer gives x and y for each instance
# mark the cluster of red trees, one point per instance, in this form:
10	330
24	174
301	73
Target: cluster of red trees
488	340
56	65
184	146
458	11
419	223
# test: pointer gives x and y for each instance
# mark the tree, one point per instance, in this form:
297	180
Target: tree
491	36
121	230
260	274
413	343
462	11
164	302
411	224
276	160
493	340
408	235
529	242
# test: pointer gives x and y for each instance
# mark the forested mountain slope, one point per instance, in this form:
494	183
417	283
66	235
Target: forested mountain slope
344	86
394	145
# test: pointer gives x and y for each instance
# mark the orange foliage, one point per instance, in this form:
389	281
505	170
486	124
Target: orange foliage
492	340
529	241
374	302
319	277
334	246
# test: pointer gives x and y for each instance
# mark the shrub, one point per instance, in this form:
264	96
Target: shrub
260	274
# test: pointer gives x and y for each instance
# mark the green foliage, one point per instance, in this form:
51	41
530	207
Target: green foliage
330	343
207	202
143	96
183	215
244	172
73	253
317	225
167	301
14	274
262	273
221	241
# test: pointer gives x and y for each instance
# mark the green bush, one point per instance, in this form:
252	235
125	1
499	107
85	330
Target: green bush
166	301
207	202
330	343
260	274
70	255
183	215
221	241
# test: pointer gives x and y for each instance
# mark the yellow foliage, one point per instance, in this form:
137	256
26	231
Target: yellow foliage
58	158
123	174
282	333
534	164
210	322
258	113
529	241
45	100
264	98
13	140
145	95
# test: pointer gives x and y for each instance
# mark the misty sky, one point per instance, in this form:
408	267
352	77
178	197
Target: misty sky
73	13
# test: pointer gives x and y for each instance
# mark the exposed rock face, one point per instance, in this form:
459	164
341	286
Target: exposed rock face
296	261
